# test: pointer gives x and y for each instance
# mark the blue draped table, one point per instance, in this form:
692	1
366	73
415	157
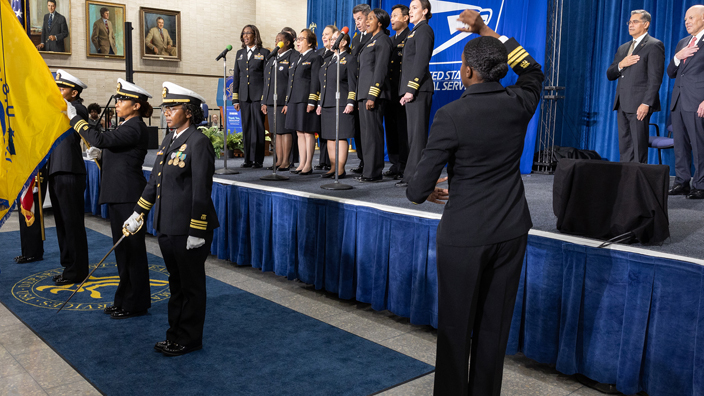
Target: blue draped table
629	317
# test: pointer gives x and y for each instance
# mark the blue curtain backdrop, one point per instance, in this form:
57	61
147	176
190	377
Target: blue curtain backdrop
523	19
592	32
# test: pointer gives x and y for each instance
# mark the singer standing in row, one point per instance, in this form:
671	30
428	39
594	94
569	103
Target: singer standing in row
279	64
326	106
373	94
121	152
359	40
302	98
325	53
248	82
416	84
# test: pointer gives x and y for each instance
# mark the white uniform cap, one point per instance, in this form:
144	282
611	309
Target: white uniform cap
173	94
64	79
130	90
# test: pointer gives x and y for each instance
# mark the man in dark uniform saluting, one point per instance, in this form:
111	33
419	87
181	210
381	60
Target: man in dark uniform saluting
67	182
359	41
395	117
482	236
179	190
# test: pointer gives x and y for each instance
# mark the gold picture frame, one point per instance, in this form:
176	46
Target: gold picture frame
105	38
162	43
57	40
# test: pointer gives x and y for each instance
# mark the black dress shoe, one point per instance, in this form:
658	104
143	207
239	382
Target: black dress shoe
55	277
390	173
122	314
398	176
310	172
358	170
295	171
327	175
111	309
283	168
342	175
401	184
161	345
371	179
60	281
257	165
23	259
246	165
679	189
327	167
319	167
696	194
177	350
271	168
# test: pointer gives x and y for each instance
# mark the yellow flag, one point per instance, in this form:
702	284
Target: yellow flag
31	109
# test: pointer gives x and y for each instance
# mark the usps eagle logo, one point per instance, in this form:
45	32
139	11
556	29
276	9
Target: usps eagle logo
450	10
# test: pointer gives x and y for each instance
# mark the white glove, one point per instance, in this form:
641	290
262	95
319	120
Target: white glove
133	223
194	242
94	153
70	110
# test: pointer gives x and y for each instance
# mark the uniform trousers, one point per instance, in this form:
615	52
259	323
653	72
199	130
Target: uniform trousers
133	293
396	135
633	137
358	135
418	119
476	293
252	131
66	192
31	236
372	125
187	284
688	133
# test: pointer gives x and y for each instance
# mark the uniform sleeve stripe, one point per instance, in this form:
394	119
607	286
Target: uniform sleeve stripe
80	125
202	228
144	204
413	85
198	222
516	55
517	61
351	95
515	51
235	96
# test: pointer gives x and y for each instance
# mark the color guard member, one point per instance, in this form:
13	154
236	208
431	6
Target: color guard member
373	93
179	191
67	182
417	84
122	153
248	81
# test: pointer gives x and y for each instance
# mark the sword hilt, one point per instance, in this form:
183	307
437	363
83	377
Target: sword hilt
126	232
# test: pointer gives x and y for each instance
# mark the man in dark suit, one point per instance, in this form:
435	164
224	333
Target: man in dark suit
67	182
247	87
359	41
54	30
638	66
395	117
687	106
482	236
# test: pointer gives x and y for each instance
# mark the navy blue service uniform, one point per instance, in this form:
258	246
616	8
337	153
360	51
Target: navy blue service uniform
357	45
122	183
283	61
348	95
324	159
483	232
247	86
373	69
395	117
416	79
303	91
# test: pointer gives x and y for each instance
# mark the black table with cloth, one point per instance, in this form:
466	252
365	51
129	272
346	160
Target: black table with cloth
603	199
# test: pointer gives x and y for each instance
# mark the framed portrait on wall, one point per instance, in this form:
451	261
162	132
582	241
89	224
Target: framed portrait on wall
160	34
105	30
49	25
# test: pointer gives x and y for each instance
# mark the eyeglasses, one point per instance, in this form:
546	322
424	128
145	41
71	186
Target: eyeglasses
171	109
300	38
248	34
629	23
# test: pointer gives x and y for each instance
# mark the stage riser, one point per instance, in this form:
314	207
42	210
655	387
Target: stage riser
616	317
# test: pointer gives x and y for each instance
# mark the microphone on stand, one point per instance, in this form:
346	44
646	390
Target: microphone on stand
280	44
224	52
343	31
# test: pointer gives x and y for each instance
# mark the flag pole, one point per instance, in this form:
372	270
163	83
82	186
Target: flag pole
41	204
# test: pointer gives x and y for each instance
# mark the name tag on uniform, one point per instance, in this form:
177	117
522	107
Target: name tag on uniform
259	56
305	63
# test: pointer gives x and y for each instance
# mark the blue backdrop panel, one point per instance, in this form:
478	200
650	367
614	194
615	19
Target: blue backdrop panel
523	19
616	317
592	32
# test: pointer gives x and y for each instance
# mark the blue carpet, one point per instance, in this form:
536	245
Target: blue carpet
251	346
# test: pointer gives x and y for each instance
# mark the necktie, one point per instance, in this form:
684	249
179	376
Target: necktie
161	32
51	19
106	26
691	44
631	48
249	54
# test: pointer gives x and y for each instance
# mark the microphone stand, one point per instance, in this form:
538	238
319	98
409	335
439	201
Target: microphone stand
336	185
225	170
273	176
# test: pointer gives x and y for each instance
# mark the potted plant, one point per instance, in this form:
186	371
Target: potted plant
235	144
216	137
